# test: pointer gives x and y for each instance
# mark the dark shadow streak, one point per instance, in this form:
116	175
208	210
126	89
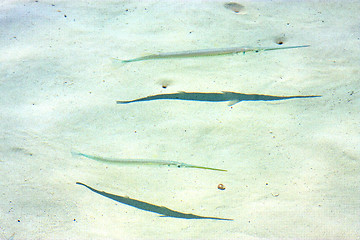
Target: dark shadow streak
232	97
165	212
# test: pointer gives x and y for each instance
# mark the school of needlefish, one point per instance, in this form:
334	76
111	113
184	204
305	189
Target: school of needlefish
225	96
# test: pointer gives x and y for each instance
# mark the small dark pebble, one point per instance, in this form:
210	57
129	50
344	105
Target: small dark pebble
221	186
280	40
235	7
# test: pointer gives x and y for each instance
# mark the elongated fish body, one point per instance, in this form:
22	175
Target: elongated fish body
146	206
142	162
206	52
231	97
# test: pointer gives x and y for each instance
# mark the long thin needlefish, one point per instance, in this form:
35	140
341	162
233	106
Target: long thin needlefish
143	162
232	97
206	52
149	207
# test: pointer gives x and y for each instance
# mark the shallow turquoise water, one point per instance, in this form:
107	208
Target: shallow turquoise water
292	164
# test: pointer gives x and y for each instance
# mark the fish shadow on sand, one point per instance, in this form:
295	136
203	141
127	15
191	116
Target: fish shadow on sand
231	97
163	211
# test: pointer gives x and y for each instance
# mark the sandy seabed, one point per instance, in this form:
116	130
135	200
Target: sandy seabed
293	165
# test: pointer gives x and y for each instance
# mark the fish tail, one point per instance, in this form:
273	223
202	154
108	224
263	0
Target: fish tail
116	62
130	60
75	153
123	102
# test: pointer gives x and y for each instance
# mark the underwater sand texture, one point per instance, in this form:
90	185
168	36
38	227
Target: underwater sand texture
293	165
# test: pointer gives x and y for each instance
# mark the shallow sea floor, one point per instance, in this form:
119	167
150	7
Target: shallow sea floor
293	165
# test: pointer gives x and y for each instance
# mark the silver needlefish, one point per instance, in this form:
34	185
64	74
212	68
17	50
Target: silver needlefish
206	53
146	162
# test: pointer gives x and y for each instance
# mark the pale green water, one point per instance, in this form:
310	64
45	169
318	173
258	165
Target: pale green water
292	165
